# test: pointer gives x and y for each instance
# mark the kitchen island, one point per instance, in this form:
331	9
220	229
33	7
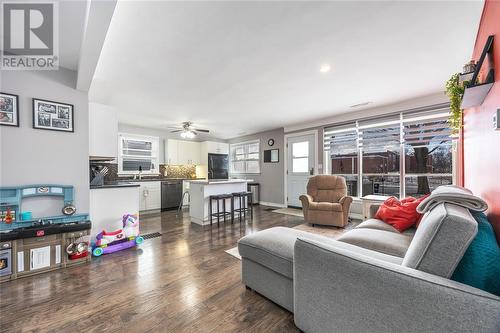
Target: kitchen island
201	190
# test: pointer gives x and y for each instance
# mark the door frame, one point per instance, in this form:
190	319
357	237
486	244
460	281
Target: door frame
316	157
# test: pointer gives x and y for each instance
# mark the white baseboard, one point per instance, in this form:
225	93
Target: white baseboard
272	204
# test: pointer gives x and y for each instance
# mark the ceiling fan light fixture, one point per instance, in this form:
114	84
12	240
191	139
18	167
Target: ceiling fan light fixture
188	134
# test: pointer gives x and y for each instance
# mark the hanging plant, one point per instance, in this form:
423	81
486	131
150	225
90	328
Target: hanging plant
455	91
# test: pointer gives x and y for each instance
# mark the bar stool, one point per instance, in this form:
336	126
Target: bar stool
181	204
245	204
218	198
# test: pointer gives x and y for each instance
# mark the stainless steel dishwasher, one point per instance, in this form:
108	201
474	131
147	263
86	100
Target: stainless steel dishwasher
171	194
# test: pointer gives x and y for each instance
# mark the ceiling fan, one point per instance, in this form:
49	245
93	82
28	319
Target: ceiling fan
187	130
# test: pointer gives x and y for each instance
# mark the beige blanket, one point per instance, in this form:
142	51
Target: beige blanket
455	195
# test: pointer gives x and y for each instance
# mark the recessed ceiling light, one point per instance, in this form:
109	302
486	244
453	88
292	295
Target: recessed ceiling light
325	68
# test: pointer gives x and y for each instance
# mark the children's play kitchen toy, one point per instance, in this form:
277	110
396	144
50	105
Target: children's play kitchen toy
109	242
32	245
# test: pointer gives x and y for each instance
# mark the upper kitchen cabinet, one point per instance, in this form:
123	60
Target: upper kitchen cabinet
179	152
211	147
103	131
216	147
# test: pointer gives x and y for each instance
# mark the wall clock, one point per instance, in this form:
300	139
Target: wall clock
270	142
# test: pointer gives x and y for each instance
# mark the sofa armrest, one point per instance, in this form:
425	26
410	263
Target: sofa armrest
338	289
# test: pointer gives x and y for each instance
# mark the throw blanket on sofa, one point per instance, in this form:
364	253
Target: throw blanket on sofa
452	194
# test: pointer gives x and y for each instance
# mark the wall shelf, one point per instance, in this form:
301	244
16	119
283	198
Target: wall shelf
475	94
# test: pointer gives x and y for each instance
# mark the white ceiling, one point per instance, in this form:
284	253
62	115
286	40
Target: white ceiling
244	67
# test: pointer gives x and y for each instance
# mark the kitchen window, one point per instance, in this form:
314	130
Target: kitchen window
245	157
136	151
408	153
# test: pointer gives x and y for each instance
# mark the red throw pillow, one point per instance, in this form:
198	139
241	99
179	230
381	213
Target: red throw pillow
400	214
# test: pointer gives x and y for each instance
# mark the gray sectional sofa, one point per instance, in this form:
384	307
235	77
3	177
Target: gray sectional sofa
373	278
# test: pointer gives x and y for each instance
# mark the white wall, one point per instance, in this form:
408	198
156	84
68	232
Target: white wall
33	156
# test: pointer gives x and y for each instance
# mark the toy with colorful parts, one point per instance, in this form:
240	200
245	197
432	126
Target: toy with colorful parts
130	229
109	242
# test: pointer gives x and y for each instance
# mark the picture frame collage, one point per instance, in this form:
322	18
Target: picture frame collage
47	115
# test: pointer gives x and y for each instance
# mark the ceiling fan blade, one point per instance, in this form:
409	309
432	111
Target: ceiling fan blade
201	130
176	131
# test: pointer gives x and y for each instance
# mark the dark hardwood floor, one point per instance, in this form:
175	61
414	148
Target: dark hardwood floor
182	281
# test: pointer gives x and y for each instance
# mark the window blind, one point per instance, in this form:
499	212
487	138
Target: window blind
432	130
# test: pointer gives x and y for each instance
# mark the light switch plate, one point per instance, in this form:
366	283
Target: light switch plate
496	120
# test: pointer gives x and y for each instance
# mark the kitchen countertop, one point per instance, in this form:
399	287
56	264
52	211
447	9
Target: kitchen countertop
220	181
154	179
113	185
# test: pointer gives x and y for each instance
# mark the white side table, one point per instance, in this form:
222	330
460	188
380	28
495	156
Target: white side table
370	200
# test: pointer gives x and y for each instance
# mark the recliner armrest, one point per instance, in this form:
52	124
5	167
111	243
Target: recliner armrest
338	289
306	199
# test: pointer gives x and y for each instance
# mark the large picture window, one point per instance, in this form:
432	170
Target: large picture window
136	152
245	157
399	155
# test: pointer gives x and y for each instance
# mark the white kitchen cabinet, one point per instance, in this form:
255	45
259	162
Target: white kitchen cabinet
211	147
217	147
150	195
172	152
181	152
103	131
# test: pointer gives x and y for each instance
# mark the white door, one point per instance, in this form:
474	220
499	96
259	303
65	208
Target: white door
301	152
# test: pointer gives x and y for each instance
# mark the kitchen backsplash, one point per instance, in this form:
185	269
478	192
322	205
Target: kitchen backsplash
178	171
112	173
166	171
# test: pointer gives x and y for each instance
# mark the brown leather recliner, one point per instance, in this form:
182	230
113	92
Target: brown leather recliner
326	201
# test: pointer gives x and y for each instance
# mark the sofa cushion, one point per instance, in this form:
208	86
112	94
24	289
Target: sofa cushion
325	206
377	225
381	225
273	248
388	242
444	234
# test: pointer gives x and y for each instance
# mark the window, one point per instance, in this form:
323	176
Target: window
245	157
136	152
428	155
399	155
379	144
300	157
342	145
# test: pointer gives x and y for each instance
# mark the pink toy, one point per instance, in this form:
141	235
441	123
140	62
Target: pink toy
109	242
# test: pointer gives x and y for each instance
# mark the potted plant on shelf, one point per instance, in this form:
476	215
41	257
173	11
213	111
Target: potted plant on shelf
455	92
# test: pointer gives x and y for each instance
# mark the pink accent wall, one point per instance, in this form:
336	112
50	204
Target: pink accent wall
481	143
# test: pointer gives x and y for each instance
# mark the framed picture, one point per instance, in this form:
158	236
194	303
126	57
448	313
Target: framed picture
271	156
53	116
9	110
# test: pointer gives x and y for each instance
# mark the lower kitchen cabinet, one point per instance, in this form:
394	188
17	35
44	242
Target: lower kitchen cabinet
150	195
